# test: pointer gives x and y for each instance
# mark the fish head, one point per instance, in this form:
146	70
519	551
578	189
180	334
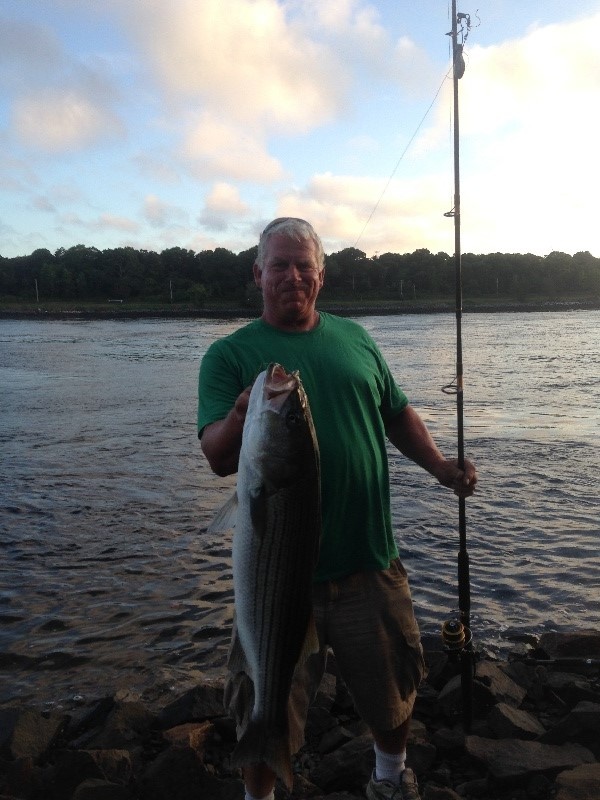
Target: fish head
279	431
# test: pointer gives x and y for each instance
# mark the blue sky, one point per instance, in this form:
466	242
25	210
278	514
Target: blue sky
192	123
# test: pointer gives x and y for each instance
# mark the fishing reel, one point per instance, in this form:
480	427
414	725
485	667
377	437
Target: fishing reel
456	636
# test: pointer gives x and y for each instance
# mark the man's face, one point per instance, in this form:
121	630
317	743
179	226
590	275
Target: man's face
290	280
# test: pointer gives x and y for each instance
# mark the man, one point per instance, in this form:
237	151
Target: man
361	598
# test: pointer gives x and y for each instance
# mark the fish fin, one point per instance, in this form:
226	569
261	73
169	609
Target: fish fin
225	517
236	659
258	508
311	644
261	744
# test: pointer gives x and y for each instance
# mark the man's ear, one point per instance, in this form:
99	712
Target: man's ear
257	271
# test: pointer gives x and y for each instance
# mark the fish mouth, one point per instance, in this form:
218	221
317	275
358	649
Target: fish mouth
279	384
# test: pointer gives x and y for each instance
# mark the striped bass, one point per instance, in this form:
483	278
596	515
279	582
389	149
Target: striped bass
275	548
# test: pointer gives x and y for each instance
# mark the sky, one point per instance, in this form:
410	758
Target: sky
192	123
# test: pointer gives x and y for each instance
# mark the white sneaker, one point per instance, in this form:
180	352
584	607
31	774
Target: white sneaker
385	790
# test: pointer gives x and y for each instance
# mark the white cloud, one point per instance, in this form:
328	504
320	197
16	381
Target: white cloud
114	222
160	214
530	123
223	205
216	149
530	117
243	59
225	198
56	121
351	210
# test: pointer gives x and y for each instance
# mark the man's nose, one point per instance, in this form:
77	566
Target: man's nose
292	271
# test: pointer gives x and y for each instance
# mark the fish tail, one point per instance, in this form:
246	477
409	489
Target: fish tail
261	744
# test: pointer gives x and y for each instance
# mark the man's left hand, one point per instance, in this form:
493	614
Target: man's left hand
462	482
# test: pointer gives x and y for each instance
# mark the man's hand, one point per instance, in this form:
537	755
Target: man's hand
241	405
461	482
221	441
409	434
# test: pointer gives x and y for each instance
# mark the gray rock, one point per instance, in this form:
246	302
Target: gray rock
74	767
97	789
202	702
500	684
432	792
508	759
581	783
347	768
34	733
582	725
578	644
506	722
334	738
124	726
184	752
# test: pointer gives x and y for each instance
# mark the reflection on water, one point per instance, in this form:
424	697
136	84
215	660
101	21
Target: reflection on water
108	577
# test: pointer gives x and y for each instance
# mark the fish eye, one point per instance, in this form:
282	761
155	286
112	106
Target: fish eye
292	419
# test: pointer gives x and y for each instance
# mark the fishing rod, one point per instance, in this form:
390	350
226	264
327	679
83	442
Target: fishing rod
457	633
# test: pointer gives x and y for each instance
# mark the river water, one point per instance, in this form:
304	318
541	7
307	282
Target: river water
108	579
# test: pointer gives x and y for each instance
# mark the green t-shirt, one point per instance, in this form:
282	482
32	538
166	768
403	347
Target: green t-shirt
352	394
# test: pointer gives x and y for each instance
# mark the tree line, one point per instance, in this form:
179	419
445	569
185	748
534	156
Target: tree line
199	278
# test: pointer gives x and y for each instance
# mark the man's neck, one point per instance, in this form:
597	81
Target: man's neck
294	325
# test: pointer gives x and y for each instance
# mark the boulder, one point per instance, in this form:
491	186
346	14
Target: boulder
509	759
506	722
581	783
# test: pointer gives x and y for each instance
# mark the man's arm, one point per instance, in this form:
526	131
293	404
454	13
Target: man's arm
410	435
221	441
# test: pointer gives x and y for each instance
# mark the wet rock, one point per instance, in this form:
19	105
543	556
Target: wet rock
201	702
120	750
192	735
576	645
8	720
34	733
125	725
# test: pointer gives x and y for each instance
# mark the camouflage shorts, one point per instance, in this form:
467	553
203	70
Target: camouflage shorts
368	621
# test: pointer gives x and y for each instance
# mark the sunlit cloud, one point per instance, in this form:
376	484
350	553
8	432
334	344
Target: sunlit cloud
60	122
225	198
216	149
223	204
242	59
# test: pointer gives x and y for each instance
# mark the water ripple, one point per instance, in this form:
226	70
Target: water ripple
109	579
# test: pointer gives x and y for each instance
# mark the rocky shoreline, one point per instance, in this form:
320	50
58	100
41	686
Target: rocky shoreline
349	310
535	735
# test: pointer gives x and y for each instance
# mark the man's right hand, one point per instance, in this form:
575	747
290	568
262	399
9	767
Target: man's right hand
222	440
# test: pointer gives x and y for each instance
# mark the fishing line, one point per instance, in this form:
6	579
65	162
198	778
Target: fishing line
410	141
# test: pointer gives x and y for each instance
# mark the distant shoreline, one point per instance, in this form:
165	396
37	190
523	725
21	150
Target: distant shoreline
350	310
